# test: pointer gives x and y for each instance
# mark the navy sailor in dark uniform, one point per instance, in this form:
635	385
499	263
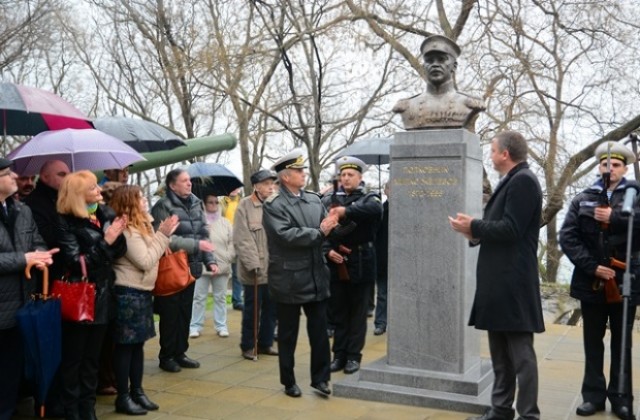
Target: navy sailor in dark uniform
352	260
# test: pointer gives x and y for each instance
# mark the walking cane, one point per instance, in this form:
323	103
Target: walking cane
255	316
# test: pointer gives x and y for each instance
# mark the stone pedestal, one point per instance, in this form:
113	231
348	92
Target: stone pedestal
432	355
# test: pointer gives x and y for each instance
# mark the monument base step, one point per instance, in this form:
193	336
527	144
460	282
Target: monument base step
378	381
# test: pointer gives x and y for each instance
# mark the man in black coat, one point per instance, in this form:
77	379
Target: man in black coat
354	253
507	300
20	244
296	224
592	233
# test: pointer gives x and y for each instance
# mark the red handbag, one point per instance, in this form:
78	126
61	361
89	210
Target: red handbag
78	298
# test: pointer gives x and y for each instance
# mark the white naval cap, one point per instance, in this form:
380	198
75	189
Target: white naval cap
616	151
351	162
292	160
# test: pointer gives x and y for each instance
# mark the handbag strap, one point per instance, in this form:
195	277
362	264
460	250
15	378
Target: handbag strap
83	267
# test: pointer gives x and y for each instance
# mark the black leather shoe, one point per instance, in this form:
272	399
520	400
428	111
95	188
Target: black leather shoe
169	365
379	331
293	391
589	409
351	367
187	362
269	351
125	405
622	412
139	397
322	387
337	365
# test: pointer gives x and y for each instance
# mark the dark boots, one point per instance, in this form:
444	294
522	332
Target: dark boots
139	397
126	405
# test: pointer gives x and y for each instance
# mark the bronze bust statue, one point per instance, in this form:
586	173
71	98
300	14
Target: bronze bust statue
441	106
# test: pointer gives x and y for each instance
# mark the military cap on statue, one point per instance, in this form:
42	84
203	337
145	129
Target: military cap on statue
292	160
616	150
263	175
440	43
350	162
5	163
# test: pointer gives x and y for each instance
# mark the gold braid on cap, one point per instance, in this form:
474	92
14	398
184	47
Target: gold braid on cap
298	161
351	166
614	156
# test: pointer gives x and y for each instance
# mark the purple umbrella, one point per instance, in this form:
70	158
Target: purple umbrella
27	111
79	149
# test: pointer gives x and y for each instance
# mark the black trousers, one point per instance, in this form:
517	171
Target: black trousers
81	345
349	304
288	327
595	317
175	317
11	364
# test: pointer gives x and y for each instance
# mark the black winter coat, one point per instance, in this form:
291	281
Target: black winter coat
191	229
14	288
508	287
42	202
80	236
298	271
581	243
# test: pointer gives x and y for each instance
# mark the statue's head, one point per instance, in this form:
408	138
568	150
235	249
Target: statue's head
440	55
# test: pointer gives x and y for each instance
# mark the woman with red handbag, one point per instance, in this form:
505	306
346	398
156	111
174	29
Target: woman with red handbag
136	274
87	231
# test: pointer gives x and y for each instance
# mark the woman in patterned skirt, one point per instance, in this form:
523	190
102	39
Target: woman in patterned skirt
136	274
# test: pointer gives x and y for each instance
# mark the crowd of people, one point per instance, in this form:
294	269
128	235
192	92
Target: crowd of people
294	250
103	230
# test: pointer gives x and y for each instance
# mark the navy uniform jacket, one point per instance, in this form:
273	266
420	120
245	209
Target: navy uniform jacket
365	210
298	271
580	240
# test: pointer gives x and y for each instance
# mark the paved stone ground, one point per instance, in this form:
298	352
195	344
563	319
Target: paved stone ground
229	387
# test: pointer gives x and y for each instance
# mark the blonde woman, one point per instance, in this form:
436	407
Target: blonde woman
136	274
88	229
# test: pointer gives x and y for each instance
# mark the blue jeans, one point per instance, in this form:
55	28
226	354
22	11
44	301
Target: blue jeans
267	320
236	286
218	284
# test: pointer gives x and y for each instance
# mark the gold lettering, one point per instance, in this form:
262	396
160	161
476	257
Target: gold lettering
426	170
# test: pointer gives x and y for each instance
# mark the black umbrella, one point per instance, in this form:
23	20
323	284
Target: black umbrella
144	136
41	327
212	179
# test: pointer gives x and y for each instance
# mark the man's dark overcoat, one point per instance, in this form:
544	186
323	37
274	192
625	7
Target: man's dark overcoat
298	271
508	287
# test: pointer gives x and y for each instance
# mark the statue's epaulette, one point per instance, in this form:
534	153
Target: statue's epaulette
473	101
272	197
317	194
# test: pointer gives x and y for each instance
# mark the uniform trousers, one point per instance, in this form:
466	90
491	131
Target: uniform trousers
11	363
175	317
288	327
349	305
595	317
514	360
